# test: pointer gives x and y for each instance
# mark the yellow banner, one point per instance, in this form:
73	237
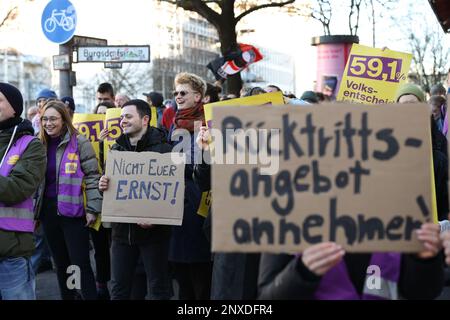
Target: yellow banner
272	98
372	75
112	123
90	126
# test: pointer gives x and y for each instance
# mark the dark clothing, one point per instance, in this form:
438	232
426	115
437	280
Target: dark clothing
102	243
50	175
68	240
19	185
440	164
154	140
284	276
129	241
234	275
194	280
188	243
124	262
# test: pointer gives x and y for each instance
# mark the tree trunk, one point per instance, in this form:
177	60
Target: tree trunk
228	43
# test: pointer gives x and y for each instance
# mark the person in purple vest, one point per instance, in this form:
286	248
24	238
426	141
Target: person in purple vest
22	168
68	201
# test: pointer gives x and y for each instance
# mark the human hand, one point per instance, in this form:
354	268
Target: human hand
145	225
428	235
320	258
103	183
445	237
103	134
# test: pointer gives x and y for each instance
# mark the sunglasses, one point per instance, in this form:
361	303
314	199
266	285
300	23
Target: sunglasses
181	93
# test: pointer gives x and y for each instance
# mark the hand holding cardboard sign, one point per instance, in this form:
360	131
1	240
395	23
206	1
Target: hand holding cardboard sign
320	258
428	234
103	183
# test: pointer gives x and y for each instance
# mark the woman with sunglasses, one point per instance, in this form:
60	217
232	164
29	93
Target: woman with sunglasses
189	248
69	200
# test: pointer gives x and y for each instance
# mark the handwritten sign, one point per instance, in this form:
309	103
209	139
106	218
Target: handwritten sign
372	76
144	187
355	175
90	126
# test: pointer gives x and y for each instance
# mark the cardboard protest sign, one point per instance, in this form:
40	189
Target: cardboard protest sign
272	98
372	76
354	174
90	126
144	187
112	122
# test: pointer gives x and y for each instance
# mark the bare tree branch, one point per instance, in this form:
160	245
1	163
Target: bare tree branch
267	5
199	6
11	15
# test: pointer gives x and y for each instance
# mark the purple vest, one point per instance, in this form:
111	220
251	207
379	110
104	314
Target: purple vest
380	284
70	180
18	217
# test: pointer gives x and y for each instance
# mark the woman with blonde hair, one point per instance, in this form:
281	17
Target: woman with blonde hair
68	200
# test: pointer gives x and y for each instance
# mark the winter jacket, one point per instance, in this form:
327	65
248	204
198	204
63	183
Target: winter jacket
154	140
20	184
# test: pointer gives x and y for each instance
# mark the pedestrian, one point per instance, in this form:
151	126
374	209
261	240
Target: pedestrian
190	251
22	168
155	99
72	175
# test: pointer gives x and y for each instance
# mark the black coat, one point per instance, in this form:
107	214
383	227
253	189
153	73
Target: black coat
154	140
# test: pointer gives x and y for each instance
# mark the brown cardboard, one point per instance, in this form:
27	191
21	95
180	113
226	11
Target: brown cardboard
396	191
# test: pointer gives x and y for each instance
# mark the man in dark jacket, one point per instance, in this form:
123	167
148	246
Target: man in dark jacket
22	168
129	241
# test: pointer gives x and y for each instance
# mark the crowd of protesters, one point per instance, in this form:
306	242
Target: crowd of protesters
51	192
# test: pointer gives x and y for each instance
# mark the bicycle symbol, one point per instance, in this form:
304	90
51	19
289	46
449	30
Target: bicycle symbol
59	19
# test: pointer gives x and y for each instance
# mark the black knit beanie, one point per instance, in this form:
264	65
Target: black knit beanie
14	97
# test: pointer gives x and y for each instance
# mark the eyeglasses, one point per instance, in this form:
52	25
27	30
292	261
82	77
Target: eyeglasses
50	119
182	93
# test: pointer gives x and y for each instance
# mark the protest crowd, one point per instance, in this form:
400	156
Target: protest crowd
53	181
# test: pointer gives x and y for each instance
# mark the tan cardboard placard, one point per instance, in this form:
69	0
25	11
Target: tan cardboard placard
144	187
357	175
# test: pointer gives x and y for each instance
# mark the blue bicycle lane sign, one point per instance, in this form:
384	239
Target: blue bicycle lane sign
59	20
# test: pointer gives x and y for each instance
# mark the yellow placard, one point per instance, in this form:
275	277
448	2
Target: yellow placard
112	122
272	98
372	75
90	126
